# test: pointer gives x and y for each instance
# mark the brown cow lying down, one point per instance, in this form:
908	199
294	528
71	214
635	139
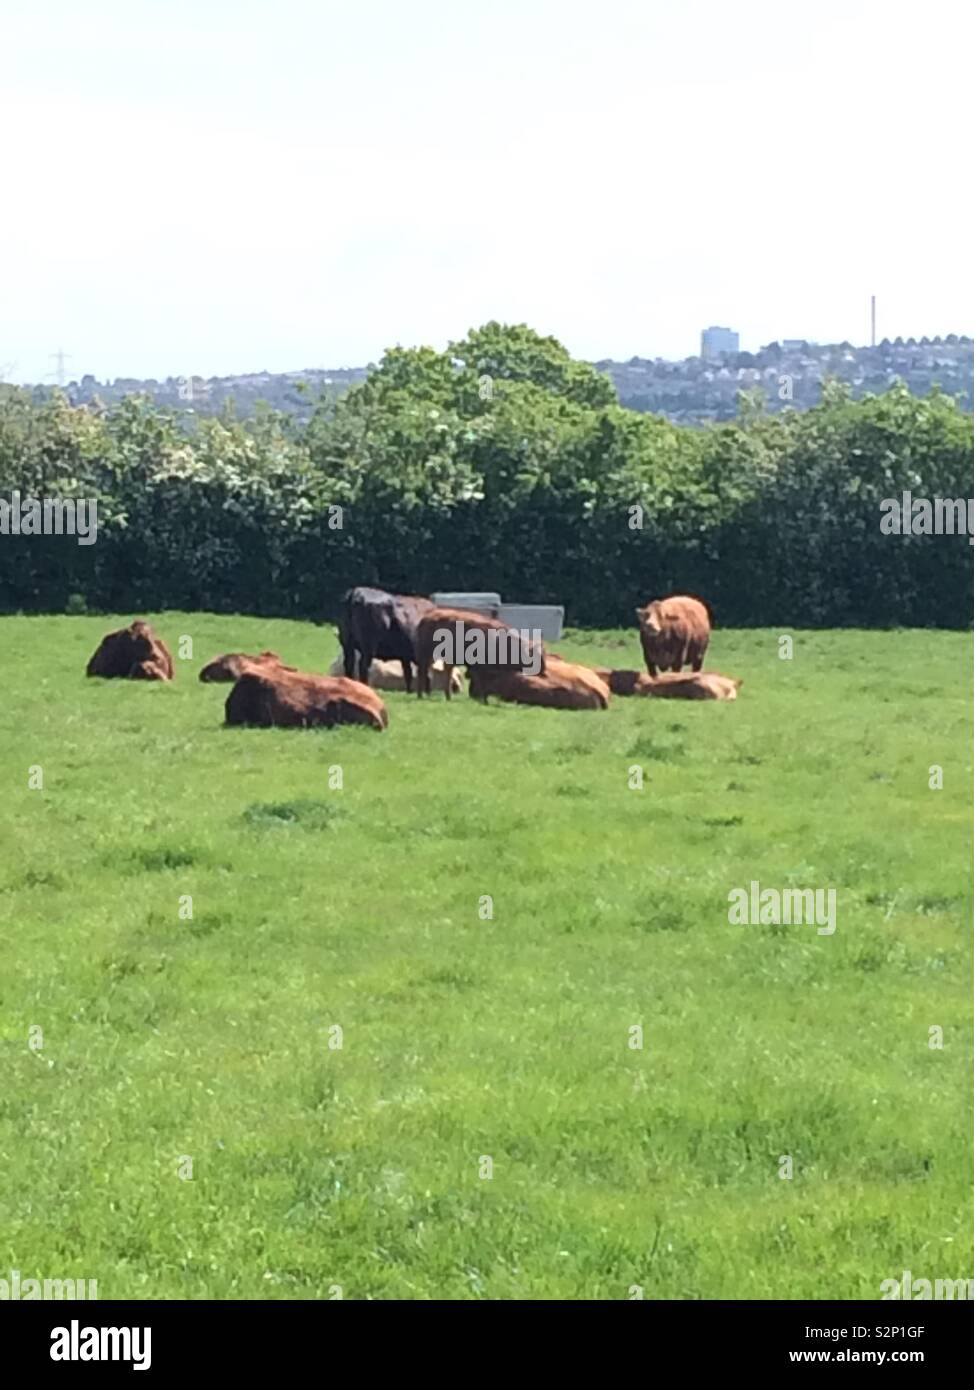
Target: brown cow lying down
232	665
474	640
387	675
672	685
133	653
563	685
296	700
674	632
696	685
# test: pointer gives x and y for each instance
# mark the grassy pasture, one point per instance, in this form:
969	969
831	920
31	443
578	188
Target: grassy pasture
208	1039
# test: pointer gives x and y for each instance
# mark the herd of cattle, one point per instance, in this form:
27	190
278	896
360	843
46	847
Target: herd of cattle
380	631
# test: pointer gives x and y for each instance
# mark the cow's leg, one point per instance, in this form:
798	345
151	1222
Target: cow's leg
147	671
364	665
422	678
407	676
349	653
448	675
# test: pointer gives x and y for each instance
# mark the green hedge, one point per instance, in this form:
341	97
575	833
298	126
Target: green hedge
499	464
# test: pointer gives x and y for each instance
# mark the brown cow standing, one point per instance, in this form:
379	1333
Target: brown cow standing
672	685
232	665
674	632
296	700
440	622
563	685
132	653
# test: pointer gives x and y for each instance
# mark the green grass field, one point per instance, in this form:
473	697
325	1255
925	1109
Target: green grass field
169	1042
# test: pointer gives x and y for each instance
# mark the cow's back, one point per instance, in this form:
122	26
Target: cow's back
580	686
376	623
435	624
408	610
562	685
688	617
689	685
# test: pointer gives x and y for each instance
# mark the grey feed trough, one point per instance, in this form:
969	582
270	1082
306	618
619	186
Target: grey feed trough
546	618
463	599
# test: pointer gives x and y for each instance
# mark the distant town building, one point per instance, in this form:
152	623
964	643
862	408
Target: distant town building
714	341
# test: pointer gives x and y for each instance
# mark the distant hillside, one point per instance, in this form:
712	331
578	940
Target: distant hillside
790	374
690	391
293	392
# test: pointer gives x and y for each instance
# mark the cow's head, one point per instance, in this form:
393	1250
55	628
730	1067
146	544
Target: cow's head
650	618
223	668
142	645
232	665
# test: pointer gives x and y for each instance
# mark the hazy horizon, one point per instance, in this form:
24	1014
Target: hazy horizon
76	376
296	186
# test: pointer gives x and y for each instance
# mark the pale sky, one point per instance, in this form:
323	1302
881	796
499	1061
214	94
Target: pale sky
220	186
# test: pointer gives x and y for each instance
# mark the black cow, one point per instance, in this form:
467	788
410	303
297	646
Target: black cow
374	623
